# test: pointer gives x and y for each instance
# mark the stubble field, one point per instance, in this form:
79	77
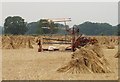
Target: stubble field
29	64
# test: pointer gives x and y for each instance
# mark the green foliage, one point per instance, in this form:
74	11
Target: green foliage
90	28
87	28
39	28
32	28
47	27
40	31
1	30
43	23
14	25
118	29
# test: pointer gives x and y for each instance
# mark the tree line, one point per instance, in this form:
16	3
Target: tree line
16	25
90	28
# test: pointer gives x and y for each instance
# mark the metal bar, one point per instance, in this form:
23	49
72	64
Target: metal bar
61	20
56	39
54	43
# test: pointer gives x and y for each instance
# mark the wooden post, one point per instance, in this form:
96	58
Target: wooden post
73	40
66	31
40	46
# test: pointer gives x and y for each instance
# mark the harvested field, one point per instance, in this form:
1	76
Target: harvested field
87	60
26	63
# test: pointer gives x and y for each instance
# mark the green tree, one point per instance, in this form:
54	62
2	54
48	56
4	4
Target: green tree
90	28
15	25
47	27
118	29
36	28
1	29
33	28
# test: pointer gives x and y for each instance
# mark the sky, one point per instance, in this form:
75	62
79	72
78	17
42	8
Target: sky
79	12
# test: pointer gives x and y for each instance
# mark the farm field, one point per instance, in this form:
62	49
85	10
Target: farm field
29	64
71	41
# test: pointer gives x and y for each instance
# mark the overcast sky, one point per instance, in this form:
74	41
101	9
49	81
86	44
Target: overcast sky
79	12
